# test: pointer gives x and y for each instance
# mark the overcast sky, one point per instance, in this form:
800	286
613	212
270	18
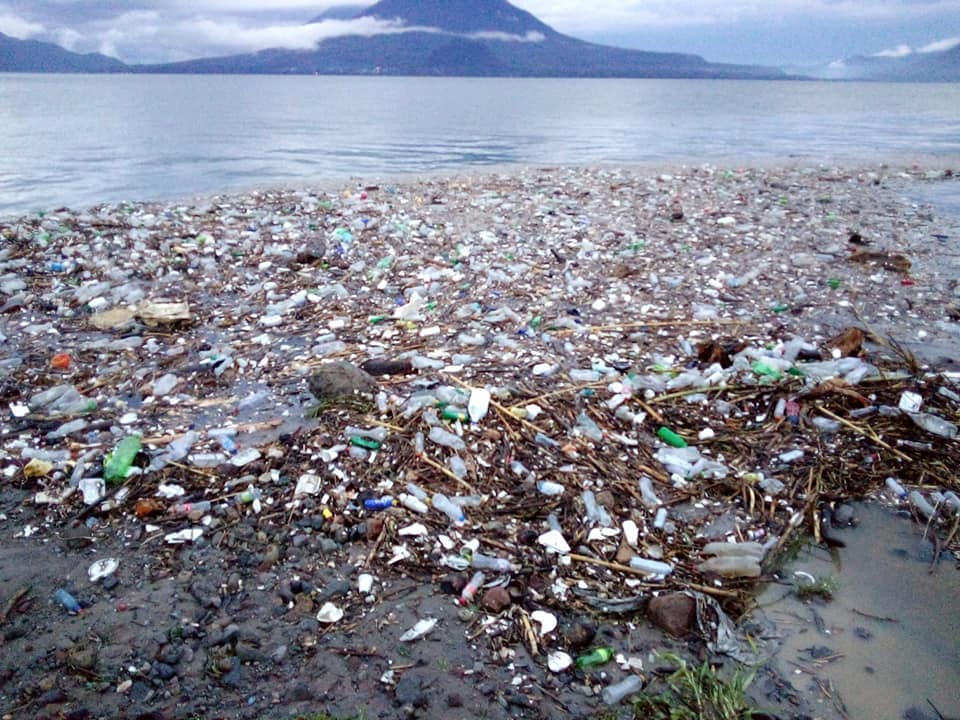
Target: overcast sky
770	32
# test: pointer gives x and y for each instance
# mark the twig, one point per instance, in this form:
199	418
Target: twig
12	603
867	434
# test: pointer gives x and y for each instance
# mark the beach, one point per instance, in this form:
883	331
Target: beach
552	320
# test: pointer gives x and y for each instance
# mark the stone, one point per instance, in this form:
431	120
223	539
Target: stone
496	600
337	380
675	613
409	691
579	635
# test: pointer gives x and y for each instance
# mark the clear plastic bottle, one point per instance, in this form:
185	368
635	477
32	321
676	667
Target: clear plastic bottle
488	562
921	504
647	493
442	503
613	694
469	591
595	513
895	487
186	508
412	503
733	566
479	404
651	567
418	492
446	439
548	487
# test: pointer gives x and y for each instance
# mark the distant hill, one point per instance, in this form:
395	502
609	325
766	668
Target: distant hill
340	12
943	66
34	56
466	38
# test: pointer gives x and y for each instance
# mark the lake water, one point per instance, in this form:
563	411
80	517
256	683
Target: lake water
79	140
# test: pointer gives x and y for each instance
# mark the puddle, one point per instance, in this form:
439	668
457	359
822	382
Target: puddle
888	644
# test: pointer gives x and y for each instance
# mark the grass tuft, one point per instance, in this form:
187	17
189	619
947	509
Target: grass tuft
696	693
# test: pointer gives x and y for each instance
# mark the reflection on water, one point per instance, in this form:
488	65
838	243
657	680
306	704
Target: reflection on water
80	140
889	642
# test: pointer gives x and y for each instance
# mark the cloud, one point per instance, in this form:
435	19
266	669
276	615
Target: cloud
899	51
940	45
18	27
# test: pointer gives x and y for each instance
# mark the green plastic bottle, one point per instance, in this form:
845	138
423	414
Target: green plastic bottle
597	656
363	442
671	438
117	463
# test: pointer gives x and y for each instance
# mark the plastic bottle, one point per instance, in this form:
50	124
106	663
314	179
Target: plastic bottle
191	507
457	466
548	487
379	433
671	438
651	567
68	601
418	492
660	520
376	504
733	566
895	487
412	503
479	404
588	428
469	591
365	443
418	445
454	414
934	425
488	562
442	503
117	463
597	656
250	495
921	504
595	513
446	439
613	694
647	494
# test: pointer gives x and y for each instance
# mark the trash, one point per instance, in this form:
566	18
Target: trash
329	614
116	464
614	694
102	569
469	591
183	536
558	661
419	630
67	601
594	658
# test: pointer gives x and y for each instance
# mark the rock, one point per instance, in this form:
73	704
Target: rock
496	600
163	671
312	252
334	589
675	613
337	380
170	654
409	691
579	635
83	659
843	515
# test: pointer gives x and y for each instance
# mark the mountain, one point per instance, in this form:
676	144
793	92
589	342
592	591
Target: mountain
34	56
939	66
339	12
464	38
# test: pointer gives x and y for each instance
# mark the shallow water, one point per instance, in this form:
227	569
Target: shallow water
78	140
893	626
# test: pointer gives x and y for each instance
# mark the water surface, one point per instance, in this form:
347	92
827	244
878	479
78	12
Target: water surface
77	140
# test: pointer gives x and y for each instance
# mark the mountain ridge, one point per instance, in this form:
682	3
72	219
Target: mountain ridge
477	38
18	55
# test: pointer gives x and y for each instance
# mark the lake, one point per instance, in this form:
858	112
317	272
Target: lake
77	140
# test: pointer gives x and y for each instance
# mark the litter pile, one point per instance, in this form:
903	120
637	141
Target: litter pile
553	393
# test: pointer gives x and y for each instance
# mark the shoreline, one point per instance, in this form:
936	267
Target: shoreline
851	164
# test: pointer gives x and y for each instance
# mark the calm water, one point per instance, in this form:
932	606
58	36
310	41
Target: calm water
80	140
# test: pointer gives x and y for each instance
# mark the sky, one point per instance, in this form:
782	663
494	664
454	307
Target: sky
784	33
